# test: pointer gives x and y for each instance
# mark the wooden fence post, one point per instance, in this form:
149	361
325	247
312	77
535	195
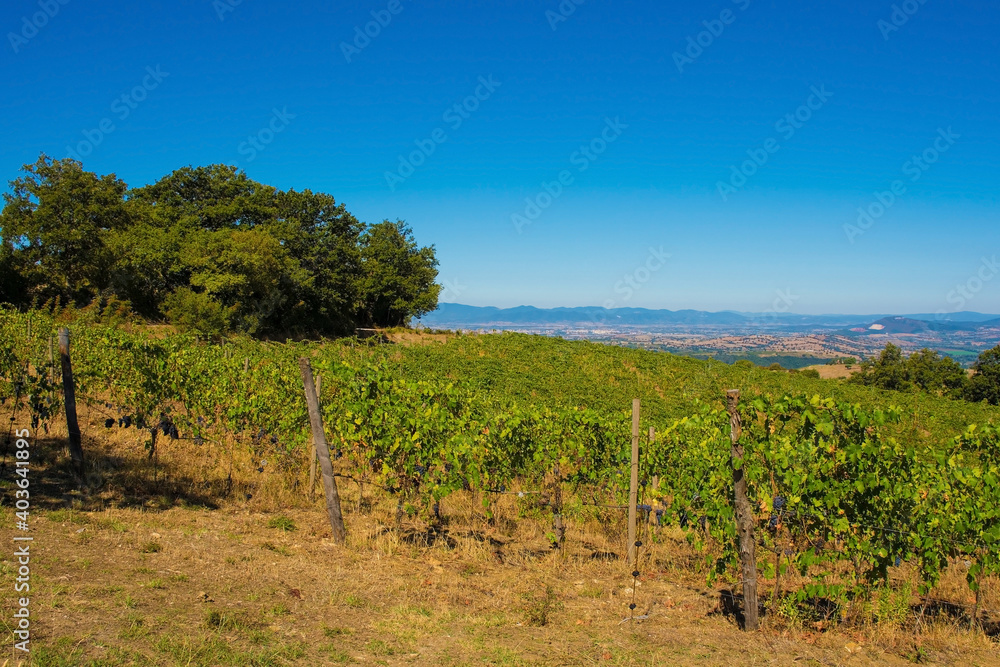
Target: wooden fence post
69	398
558	529
744	515
323	450
633	485
50	373
654	484
313	456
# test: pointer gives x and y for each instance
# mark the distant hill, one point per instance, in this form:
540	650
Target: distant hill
459	315
898	325
453	313
912	325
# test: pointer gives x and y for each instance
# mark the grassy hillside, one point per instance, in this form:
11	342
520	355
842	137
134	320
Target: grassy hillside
559	373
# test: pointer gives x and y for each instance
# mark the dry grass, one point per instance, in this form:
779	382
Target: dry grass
215	563
835	371
417	337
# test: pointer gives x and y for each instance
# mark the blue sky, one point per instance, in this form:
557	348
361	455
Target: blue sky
869	85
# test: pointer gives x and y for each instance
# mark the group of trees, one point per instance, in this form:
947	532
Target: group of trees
931	372
210	250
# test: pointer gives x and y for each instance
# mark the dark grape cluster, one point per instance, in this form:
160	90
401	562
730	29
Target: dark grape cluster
168	427
778	504
108	423
125	421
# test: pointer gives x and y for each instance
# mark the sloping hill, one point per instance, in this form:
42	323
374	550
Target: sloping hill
555	372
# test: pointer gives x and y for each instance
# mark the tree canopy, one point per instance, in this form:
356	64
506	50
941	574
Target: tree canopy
210	250
931	372
985	384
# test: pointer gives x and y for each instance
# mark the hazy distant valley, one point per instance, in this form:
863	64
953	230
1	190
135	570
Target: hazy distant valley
792	340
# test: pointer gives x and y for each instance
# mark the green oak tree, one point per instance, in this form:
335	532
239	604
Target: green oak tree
985	383
210	250
398	276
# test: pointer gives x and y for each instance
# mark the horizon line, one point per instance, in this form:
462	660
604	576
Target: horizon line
946	316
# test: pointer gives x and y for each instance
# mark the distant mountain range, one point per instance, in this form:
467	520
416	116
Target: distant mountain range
458	315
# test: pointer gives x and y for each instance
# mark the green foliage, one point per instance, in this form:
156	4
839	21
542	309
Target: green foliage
398	275
985	384
926	371
55	224
933	373
197	312
886	371
262	261
281	522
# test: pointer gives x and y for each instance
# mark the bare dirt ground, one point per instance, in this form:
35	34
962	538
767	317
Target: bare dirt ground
133	571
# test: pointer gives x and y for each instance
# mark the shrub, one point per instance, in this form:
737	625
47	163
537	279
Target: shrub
197	312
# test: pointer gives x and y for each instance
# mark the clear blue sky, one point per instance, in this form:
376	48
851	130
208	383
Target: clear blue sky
884	94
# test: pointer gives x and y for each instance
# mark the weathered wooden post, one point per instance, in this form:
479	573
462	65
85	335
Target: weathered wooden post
69	398
744	515
653	485
312	449
558	529
50	373
633	490
323	450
